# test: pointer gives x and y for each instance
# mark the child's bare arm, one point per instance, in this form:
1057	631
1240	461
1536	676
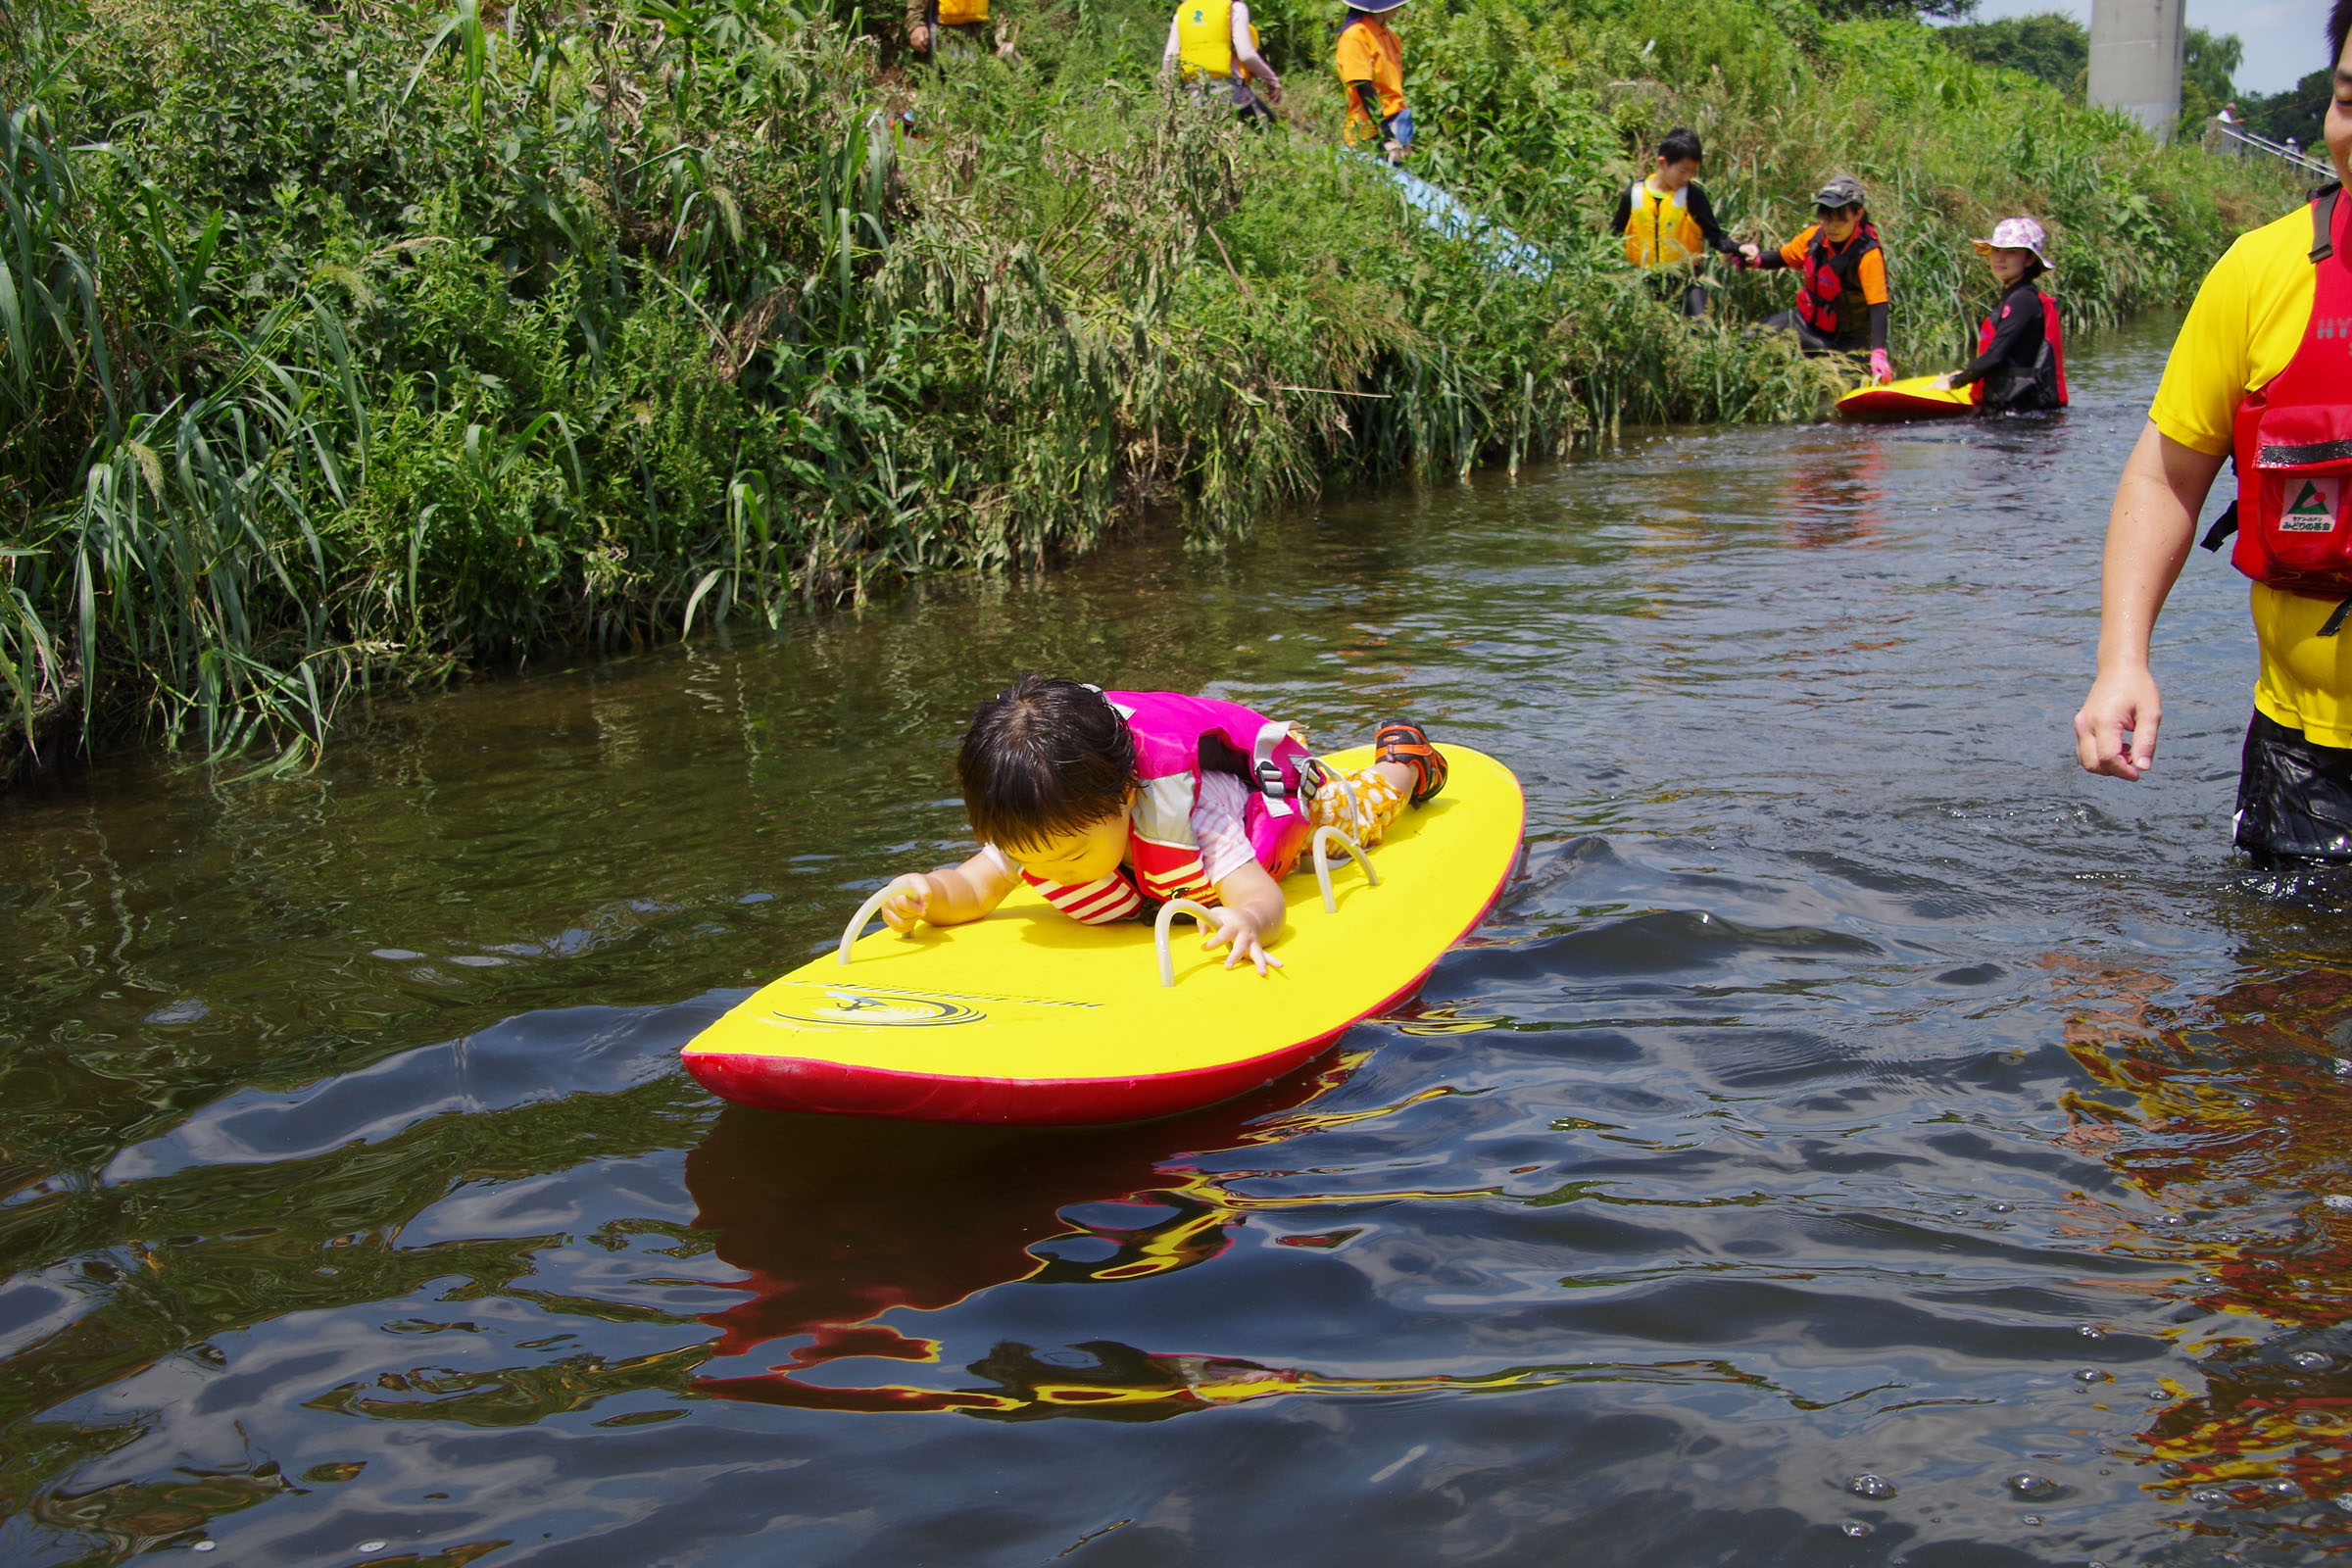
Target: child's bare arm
1249	916
950	896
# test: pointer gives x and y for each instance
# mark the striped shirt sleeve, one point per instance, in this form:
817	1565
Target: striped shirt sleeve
1218	826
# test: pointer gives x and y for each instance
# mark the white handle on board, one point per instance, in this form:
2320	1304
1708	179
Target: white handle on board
1164	928
865	911
1356	809
1325	837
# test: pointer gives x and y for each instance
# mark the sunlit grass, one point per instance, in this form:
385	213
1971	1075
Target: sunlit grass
364	344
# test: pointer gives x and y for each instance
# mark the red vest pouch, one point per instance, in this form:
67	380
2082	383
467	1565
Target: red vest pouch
2292	439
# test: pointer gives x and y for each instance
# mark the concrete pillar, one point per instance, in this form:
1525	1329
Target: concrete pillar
2137	54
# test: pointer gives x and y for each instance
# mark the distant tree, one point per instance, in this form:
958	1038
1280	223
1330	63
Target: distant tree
2296	112
1922	10
2050	45
2210	61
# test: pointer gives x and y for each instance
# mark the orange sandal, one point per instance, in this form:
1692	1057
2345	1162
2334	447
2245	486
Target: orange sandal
1409	744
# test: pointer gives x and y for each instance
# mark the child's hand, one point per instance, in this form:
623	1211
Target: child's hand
908	902
1241	936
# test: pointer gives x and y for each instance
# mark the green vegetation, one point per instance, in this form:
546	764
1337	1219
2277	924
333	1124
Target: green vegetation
2055	48
2049	46
2208	62
2293	115
347	346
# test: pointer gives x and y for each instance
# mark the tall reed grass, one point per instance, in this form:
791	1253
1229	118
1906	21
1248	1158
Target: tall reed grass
356	344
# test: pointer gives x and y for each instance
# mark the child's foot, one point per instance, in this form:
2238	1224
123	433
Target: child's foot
1407	746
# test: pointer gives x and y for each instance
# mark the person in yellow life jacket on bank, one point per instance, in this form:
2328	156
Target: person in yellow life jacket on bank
1668	225
936	29
1842	284
1212	46
1371	65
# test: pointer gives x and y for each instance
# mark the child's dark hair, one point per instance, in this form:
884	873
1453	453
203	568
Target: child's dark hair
1681	146
2339	27
1046	756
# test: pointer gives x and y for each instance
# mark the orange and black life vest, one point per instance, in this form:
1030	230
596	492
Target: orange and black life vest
1828	275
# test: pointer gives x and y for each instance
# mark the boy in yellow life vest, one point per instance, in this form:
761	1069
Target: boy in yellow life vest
1669	224
1213	47
1371	65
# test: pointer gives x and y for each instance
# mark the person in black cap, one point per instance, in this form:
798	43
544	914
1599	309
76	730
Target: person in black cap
1842	286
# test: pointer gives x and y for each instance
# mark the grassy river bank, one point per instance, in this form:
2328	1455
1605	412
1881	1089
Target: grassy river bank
352	346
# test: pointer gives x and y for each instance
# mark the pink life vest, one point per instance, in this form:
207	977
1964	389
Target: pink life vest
1178	740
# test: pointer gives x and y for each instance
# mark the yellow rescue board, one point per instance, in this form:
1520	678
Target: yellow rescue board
1915	397
1030	1016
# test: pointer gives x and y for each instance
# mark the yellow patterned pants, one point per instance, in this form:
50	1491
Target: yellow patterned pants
1377	805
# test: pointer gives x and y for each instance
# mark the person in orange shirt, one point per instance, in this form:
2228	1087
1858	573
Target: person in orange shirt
1842	290
1371	65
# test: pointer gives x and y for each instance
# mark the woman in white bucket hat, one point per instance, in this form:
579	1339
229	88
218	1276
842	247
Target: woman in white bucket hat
2020	366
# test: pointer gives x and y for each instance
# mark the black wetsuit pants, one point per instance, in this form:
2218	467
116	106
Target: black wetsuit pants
1812	342
1679	288
2294	798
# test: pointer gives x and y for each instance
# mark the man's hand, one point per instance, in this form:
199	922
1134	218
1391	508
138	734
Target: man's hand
908	903
918	38
1943	382
1881	369
1750	254
1394	149
1239	934
2149	532
2121	702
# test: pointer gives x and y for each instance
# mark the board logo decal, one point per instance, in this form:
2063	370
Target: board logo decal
2313	510
855	1009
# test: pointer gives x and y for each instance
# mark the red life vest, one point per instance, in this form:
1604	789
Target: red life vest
1177	741
2053	343
2292	439
1828	274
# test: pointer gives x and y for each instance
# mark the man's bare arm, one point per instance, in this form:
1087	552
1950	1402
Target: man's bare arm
2149	530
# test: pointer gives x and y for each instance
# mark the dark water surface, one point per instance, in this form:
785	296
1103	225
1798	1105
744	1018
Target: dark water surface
1851	1089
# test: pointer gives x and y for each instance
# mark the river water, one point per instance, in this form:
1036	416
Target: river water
1860	1137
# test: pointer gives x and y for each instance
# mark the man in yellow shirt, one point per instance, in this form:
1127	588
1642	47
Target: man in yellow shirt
2251	320
1371	65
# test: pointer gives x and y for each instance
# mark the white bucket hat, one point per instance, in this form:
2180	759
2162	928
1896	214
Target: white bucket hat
2017	234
